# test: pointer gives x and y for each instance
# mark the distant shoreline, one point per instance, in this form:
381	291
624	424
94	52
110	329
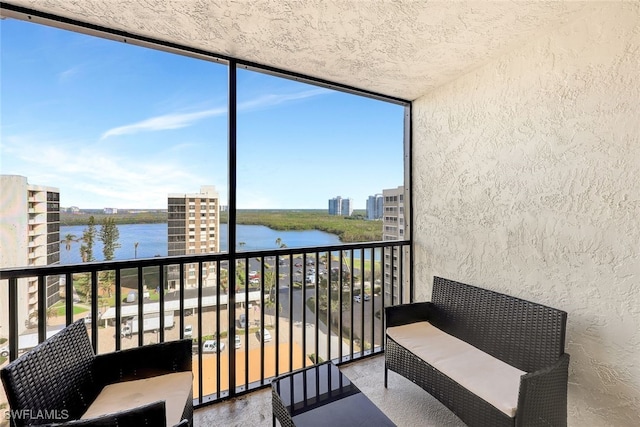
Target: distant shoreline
348	229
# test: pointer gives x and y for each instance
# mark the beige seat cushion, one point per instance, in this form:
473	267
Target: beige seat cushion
174	389
482	374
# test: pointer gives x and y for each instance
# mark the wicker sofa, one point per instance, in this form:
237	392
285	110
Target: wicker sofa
62	382
492	359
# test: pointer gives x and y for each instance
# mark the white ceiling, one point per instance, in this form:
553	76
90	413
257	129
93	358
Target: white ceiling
399	48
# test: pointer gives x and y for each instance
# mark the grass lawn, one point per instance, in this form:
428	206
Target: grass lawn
61	309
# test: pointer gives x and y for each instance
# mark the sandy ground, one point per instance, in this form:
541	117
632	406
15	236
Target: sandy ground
209	377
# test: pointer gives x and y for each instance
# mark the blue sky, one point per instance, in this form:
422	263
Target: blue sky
116	125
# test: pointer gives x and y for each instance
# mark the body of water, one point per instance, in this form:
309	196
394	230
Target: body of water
152	240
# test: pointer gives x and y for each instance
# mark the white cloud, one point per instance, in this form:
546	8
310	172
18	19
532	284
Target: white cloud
167	121
180	120
68	74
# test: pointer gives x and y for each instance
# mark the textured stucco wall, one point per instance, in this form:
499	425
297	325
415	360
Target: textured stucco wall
527	181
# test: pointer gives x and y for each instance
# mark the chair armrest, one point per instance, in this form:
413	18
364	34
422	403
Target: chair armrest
543	395
143	362
407	313
152	414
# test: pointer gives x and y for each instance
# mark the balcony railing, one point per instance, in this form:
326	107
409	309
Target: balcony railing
268	312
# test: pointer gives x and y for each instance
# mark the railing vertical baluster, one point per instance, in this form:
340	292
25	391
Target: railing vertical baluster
218	385
68	298
329	261
276	311
246	338
383	302
118	302
181	296
13	318
246	324
374	253
261	322
42	308
161	301
351	265
317	317
400	275
290	317
362	276
304	315
140	308
199	302
341	275
94	310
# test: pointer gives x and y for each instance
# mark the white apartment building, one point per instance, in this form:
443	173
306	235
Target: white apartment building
193	228
29	236
394	228
340	206
375	206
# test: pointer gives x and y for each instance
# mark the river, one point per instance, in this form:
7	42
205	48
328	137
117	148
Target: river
152	240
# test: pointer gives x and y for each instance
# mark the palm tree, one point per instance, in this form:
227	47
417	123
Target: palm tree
135	250
278	242
68	239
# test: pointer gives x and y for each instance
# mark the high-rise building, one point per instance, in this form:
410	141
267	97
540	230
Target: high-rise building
193	228
340	206
393	224
375	207
29	236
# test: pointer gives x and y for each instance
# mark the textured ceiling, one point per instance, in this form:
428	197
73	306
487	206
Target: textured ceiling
399	48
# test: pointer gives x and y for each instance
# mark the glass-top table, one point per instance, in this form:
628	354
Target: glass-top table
322	396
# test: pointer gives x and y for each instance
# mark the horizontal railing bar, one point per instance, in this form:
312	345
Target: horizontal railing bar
88	267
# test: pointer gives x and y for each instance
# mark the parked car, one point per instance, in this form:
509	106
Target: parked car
297	264
254	281
4	351
188	331
238	341
211	346
242	321
367	297
265	333
357	298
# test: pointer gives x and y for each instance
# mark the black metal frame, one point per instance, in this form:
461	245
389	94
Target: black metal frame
94	268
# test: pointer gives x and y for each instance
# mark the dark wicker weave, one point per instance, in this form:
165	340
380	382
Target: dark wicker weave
64	375
526	335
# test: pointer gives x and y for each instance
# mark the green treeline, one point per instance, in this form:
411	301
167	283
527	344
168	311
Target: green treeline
348	229
119	218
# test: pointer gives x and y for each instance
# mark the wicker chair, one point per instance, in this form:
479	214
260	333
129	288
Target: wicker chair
522	334
61	381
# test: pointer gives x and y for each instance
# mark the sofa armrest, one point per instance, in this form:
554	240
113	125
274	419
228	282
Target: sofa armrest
153	414
542	399
143	362
407	313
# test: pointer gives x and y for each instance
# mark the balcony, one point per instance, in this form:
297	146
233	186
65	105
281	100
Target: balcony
310	321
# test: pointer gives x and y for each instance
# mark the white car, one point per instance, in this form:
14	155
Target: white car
357	298
265	333
188	331
4	351
238	341
211	346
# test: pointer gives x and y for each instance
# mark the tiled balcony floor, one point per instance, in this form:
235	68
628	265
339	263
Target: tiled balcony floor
403	402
